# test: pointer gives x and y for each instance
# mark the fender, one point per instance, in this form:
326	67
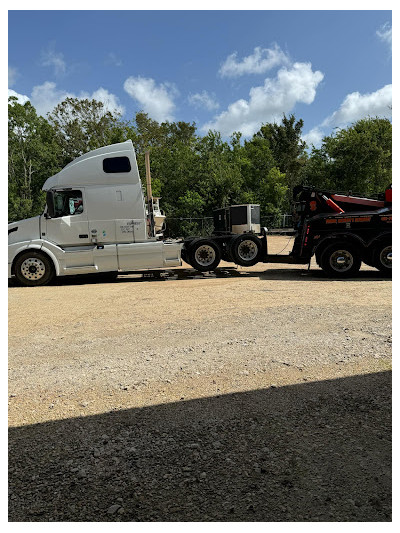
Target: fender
370	248
380	237
46	248
15	249
37	244
339	236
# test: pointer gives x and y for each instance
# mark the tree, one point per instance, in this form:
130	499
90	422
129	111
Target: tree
33	156
257	162
195	174
219	177
358	158
84	125
287	147
272	194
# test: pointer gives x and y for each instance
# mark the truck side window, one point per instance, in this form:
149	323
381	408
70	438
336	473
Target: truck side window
113	165
68	203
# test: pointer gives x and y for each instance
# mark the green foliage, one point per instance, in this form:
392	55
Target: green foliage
195	174
287	147
357	159
190	204
272	195
84	125
33	156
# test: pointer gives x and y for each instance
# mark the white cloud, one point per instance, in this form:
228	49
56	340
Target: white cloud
51	58
260	61
112	59
109	100
22	98
12	76
356	106
156	100
385	33
45	97
268	102
203	100
314	136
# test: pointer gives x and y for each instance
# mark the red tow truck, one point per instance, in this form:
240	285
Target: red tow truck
340	229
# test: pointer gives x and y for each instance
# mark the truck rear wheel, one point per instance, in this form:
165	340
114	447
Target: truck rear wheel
383	257
33	268
340	260
245	250
204	255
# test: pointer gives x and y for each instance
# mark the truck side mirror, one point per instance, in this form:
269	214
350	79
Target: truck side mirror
50	203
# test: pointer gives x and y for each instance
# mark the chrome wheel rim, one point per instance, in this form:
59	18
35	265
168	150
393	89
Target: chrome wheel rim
247	250
33	268
205	255
385	257
341	260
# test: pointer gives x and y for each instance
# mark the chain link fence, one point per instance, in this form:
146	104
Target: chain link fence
185	227
203	227
277	221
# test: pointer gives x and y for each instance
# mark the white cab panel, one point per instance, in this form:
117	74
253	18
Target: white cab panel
137	256
101	258
105	257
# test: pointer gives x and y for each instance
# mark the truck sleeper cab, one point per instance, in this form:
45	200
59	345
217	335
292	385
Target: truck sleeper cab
95	221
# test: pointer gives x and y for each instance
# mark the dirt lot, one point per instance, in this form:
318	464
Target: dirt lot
258	394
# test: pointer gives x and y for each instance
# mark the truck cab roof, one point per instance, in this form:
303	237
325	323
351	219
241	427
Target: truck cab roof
113	164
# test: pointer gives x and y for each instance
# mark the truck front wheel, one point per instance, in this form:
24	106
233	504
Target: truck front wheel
340	260
245	250
204	255
33	268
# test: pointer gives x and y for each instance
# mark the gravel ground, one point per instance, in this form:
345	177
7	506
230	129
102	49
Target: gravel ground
260	394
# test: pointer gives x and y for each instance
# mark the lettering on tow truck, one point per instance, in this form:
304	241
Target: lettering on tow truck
347	220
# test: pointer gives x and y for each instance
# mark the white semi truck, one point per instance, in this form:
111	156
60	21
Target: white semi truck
95	220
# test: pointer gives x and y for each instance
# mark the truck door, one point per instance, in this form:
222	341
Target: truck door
69	226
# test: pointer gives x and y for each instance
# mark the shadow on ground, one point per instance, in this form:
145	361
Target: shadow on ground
319	451
182	274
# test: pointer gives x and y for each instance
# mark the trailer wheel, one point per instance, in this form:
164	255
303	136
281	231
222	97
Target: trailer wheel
204	255
33	268
245	250
340	259
382	257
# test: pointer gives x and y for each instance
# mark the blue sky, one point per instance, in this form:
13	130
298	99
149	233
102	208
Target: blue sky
224	70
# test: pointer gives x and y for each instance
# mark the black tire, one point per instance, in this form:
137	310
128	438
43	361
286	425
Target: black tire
204	255
245	249
184	256
382	257
33	268
340	260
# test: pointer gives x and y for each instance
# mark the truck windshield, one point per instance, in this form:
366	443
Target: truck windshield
67	203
